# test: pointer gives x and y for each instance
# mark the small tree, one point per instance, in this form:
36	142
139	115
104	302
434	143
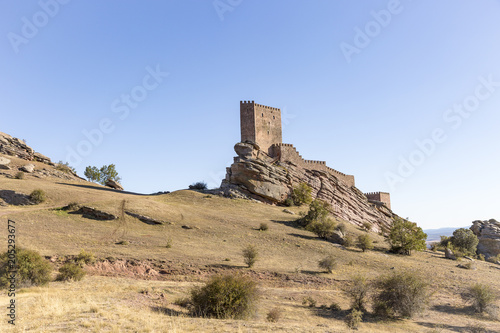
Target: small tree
358	290
38	196
109	172
31	269
465	241
198	186
406	236
250	255
404	294
93	174
365	242
301	194
318	210
324	228
225	297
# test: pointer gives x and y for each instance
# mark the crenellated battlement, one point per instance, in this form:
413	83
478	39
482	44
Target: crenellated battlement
383	197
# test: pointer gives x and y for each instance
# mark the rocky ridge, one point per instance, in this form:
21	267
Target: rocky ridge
488	233
254	175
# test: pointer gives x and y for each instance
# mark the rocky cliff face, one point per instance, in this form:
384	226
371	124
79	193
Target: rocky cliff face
17	148
257	176
488	233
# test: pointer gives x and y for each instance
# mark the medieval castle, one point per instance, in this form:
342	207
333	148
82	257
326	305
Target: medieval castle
261	124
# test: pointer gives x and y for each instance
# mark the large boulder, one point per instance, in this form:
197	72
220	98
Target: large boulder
255	175
4	163
113	184
29	168
488	233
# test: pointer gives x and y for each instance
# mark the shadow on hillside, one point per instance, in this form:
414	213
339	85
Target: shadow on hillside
226	266
460	310
292	223
102	189
443	327
303	236
168	311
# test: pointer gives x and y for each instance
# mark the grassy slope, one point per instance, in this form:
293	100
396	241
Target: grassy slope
221	228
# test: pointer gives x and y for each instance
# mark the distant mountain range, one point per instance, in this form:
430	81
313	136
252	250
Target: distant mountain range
434	235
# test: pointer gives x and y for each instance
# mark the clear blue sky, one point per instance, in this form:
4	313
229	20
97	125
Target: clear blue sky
359	83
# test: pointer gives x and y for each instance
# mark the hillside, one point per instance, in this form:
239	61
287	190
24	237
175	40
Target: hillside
135	288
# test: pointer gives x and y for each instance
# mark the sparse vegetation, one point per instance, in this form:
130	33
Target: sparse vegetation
357	291
225	297
401	294
353	319
38	196
348	241
250	255
328	263
301	194
70	272
85	258
102	175
123	242
309	302
274	315
480	296
32	269
365	242
406	236
65	167
318	211
323	228
465	241
367	226
198	186
19	175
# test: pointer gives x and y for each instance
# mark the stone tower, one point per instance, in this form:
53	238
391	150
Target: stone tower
260	124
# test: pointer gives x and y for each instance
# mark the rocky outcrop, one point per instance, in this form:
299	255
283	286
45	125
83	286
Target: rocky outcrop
488	233
14	147
15	198
113	184
94	214
257	176
4	163
29	168
147	219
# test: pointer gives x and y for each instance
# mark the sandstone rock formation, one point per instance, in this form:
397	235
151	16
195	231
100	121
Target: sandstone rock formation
113	184
94	214
4	163
256	176
29	168
15	147
488	233
147	219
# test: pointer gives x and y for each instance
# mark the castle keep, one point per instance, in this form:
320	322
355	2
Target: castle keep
261	125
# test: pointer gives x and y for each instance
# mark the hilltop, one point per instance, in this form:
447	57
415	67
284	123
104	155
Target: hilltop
143	269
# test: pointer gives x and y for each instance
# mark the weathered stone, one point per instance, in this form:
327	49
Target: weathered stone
257	176
114	184
488	233
288	211
29	168
448	254
41	158
94	214
146	219
4	163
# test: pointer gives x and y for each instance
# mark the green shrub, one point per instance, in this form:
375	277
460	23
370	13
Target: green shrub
32	269
19	175
85	258
301	194
184	302
341	229
309	301
480	296
318	211
353	319
328	263
70	272
65	167
198	186
401	294
406	236
465	241
348	241
480	256
323	228
274	315
250	255
357	291
367	226
288	202
434	246
225	297
38	196
123	242
263	227
365	242
335	307
169	244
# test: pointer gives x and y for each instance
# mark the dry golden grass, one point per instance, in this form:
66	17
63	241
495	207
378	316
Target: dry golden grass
287	266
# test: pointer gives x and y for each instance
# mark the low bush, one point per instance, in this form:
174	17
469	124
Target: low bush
353	319
401	294
481	296
341	229
328	263
263	227
323	228
85	258
301	194
225	297
70	272
250	255
19	175
38	196
198	186
309	301
335	307
32	269
367	226
274	315
318	211
365	242
348	241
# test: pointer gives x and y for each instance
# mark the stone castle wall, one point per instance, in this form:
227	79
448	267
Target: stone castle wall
380	196
287	152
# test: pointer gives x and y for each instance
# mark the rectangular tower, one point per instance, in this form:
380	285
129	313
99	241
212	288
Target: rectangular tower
260	124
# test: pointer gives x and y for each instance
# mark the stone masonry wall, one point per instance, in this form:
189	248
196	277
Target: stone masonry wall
380	196
288	153
260	124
